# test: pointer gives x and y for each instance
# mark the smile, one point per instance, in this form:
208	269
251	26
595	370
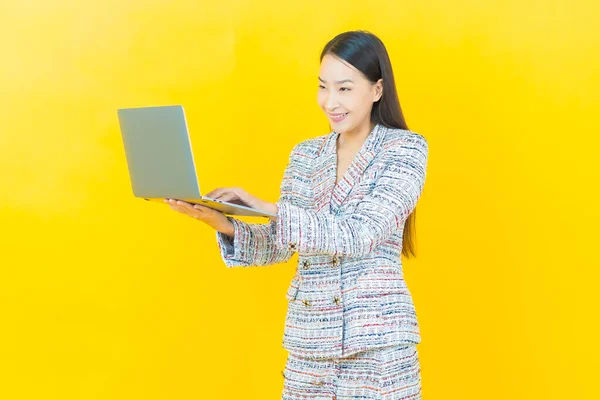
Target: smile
338	118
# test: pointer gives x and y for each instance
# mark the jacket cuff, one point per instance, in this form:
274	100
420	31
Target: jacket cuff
234	251
286	228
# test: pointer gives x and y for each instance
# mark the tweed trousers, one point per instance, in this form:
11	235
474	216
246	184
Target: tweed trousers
387	373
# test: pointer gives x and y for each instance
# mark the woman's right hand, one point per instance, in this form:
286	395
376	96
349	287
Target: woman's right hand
213	218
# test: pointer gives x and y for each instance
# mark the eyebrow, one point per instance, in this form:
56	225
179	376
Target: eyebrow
338	82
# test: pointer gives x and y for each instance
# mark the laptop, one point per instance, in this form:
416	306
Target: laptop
160	159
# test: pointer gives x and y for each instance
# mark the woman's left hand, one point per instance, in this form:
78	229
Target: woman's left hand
239	196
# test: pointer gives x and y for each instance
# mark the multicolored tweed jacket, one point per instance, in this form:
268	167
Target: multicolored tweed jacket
348	293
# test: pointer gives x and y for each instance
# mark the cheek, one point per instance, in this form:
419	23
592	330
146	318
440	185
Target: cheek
355	101
359	105
321	99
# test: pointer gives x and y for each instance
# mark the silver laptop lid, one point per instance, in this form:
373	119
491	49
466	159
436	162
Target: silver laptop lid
159	153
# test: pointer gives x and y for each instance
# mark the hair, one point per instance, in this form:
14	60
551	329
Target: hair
367	53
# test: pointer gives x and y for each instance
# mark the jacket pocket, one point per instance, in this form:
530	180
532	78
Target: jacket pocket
385	298
366	299
398	310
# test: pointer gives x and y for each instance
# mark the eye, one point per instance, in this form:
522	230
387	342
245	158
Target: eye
321	87
345	88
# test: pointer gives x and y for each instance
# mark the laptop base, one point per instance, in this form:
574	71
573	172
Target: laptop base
223	206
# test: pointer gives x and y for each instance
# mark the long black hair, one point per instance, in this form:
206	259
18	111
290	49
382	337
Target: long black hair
367	53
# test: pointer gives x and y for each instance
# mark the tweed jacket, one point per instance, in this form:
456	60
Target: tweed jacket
348	293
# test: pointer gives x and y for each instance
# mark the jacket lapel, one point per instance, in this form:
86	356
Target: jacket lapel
323	177
326	191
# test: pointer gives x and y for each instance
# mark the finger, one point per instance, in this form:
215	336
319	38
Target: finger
228	196
244	196
240	192
238	201
226	191
207	211
184	204
177	207
190	212
191	209
223	194
216	192
201	208
180	204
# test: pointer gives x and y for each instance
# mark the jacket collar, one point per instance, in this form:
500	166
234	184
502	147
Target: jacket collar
327	192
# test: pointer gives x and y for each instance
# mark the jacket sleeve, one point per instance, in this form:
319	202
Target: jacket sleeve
379	215
254	244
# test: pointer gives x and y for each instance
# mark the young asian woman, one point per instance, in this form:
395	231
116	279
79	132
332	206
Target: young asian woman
347	206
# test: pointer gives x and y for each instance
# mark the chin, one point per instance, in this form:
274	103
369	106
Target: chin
343	128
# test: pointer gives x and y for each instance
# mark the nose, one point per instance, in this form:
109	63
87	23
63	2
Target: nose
331	102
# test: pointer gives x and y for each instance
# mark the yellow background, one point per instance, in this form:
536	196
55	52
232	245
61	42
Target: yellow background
105	296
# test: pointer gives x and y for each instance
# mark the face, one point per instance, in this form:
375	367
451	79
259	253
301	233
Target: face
346	96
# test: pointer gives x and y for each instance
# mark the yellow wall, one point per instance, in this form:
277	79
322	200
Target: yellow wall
104	296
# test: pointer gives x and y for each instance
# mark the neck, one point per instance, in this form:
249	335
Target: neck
355	137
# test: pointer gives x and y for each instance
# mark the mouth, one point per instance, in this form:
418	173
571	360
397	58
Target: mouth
337	117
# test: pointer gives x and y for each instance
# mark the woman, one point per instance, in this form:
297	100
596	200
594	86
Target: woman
347	206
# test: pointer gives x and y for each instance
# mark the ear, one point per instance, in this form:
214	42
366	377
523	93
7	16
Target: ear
378	88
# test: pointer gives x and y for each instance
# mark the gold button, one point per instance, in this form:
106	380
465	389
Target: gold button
337	300
292	246
319	383
305	264
306	303
335	261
